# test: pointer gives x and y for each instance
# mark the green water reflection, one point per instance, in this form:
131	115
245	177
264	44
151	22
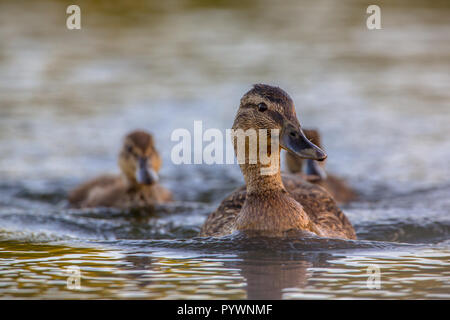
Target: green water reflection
41	271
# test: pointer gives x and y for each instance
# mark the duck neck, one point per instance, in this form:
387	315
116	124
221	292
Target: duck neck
258	181
268	207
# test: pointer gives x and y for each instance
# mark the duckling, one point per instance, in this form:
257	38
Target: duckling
315	172
274	204
136	186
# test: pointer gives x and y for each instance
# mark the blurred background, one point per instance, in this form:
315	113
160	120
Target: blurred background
379	97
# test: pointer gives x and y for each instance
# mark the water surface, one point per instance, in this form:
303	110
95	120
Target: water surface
380	98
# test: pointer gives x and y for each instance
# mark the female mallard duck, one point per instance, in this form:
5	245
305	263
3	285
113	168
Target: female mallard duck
315	172
136	186
272	204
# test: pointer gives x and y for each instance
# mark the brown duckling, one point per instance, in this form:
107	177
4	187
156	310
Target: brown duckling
136	186
315	172
276	204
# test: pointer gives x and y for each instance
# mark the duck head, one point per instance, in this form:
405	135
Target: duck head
268	107
139	160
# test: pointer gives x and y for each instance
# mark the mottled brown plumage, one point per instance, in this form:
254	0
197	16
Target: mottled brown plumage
275	204
335	185
137	185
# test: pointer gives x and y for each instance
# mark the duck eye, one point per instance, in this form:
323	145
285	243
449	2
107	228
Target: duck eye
262	107
129	148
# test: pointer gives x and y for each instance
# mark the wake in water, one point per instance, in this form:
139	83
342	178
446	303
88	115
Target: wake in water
29	215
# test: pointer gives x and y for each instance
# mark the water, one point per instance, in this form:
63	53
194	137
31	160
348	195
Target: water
380	98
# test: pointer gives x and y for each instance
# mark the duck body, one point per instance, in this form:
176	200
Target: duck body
327	218
338	188
136	186
113	191
275	204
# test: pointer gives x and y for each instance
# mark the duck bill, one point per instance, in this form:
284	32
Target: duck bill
145	174
313	168
294	140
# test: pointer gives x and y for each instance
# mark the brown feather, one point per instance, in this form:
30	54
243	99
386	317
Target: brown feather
316	202
274	204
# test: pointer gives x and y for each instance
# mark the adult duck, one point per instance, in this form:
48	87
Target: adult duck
275	204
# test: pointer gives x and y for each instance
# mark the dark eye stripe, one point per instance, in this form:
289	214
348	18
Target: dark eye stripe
275	115
248	105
